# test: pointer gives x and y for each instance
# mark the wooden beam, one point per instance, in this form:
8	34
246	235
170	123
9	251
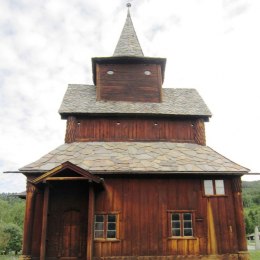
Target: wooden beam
44	222
90	233
66	178
28	222
239	213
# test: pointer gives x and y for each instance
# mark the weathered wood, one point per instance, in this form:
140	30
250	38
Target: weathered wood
137	129
144	228
239	213
67	220
29	218
199	132
90	221
129	82
37	223
71	129
44	222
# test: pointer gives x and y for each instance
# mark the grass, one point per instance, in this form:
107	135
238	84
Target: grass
254	255
10	257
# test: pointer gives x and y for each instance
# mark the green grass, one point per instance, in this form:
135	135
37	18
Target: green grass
10	257
255	255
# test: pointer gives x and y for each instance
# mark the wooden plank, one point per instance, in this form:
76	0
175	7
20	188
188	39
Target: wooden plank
44	222
135	129
37	225
90	231
29	219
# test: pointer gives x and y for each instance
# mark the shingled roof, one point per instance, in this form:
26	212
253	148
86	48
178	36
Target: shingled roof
128	44
138	157
81	99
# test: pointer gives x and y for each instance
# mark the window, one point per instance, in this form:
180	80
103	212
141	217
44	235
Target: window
182	224
214	187
105	226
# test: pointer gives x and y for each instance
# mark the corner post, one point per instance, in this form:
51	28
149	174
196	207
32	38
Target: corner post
28	222
239	218
71	129
91	210
44	222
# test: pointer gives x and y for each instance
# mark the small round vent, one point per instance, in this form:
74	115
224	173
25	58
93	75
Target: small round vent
110	72
147	72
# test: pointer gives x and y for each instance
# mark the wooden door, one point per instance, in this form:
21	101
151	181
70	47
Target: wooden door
67	221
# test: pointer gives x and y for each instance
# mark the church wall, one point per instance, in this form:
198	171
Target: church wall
129	82
135	129
144	206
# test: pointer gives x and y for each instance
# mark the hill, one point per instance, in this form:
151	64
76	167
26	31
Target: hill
251	203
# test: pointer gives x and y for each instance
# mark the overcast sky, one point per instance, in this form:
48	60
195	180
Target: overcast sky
212	46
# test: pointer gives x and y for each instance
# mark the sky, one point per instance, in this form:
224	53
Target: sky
212	46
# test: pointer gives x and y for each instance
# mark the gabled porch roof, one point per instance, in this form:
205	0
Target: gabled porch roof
55	174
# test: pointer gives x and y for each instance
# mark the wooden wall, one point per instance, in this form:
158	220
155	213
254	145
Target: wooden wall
129	83
143	203
135	129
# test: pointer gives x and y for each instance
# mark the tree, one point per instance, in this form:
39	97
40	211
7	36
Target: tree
4	239
11	238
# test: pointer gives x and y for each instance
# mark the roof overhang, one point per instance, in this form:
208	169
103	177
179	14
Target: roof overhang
127	60
56	174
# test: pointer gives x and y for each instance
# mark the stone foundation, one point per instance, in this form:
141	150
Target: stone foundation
25	257
239	256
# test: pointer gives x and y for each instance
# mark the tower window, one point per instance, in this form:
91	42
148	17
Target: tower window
110	72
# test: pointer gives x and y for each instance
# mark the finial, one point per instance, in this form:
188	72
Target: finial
128	5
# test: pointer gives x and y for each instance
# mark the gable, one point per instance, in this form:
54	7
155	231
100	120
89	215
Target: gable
67	171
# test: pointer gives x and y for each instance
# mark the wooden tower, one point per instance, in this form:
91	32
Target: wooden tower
134	178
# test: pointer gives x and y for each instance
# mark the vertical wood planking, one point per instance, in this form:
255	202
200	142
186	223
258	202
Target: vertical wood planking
134	129
90	232
144	205
44	222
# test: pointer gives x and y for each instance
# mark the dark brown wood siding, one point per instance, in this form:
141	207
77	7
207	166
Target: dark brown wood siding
134	129
129	82
143	205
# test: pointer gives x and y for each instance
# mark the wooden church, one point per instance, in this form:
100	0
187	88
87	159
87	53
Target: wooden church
134	179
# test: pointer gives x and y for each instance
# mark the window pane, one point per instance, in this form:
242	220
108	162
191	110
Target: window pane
99	218
99	234
176	224
176	232
187	224
99	226
208	187
175	216
111	218
219	187
111	226
111	234
187	216
187	232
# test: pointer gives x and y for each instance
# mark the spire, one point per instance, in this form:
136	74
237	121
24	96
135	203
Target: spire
128	44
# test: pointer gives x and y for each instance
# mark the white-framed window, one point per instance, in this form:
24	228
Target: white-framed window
106	226
182	224
214	187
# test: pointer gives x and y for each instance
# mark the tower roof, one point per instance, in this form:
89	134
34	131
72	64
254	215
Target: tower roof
128	44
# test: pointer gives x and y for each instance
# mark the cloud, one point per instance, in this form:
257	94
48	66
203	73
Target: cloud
45	45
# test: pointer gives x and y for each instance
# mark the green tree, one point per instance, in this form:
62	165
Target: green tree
4	239
12	238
